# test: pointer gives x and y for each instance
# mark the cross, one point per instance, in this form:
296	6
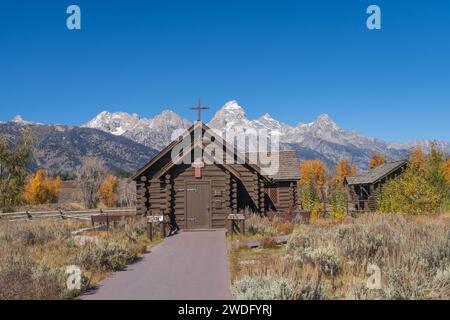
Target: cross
199	108
198	165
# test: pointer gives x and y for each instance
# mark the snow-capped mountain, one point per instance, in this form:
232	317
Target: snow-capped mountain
154	132
20	121
322	138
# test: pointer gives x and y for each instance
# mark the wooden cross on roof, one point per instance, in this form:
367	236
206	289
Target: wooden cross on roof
199	108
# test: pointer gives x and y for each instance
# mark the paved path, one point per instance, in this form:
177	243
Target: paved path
191	265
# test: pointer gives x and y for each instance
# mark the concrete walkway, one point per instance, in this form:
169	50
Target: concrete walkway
191	265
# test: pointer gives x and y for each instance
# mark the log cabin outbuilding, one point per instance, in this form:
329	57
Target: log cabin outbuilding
362	190
202	194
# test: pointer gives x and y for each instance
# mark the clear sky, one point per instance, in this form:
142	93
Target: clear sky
292	59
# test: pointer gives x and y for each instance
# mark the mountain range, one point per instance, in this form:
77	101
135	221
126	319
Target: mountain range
126	141
322	138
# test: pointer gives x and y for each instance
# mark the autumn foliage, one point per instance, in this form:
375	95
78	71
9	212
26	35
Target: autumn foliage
424	188
417	158
312	182
344	169
108	190
41	189
312	171
376	160
447	171
317	190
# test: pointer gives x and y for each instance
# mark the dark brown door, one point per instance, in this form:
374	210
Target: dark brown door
198	201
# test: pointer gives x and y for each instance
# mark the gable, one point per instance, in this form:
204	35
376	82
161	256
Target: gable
377	173
163	162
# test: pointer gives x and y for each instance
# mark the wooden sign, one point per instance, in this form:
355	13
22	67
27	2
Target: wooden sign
155	219
236	217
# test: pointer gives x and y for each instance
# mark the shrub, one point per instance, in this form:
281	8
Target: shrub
257	225
434	255
36	233
403	283
108	256
15	275
326	259
282	226
34	236
299	241
441	284
21	278
132	228
263	288
276	288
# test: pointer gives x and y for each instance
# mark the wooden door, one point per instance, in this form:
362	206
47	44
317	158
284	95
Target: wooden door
198	205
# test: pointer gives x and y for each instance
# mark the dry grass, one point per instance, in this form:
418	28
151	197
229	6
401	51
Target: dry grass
34	256
328	259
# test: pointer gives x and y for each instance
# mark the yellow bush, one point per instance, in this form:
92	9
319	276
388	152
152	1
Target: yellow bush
41	189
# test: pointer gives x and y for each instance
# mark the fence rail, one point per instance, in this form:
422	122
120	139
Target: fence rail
62	214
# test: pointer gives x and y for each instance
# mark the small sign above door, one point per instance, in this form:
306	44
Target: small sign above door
198	165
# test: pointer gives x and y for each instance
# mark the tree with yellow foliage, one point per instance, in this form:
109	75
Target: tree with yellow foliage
422	189
417	158
312	170
108	190
376	160
344	169
41	189
312	182
336	192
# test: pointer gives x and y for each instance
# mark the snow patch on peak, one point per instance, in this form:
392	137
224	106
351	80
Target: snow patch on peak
19	120
153	132
232	105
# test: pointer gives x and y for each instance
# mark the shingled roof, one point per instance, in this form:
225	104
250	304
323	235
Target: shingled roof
288	166
376	174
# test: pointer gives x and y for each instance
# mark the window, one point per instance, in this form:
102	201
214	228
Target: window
273	193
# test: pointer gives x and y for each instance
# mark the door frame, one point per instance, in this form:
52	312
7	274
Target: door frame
197	181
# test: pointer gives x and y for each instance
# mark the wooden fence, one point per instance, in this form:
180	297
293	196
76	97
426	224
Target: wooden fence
61	214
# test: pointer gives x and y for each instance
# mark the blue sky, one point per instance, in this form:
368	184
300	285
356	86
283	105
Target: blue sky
292	59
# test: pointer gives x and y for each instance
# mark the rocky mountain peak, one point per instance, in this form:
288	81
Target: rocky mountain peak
231	115
324	120
20	120
232	105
